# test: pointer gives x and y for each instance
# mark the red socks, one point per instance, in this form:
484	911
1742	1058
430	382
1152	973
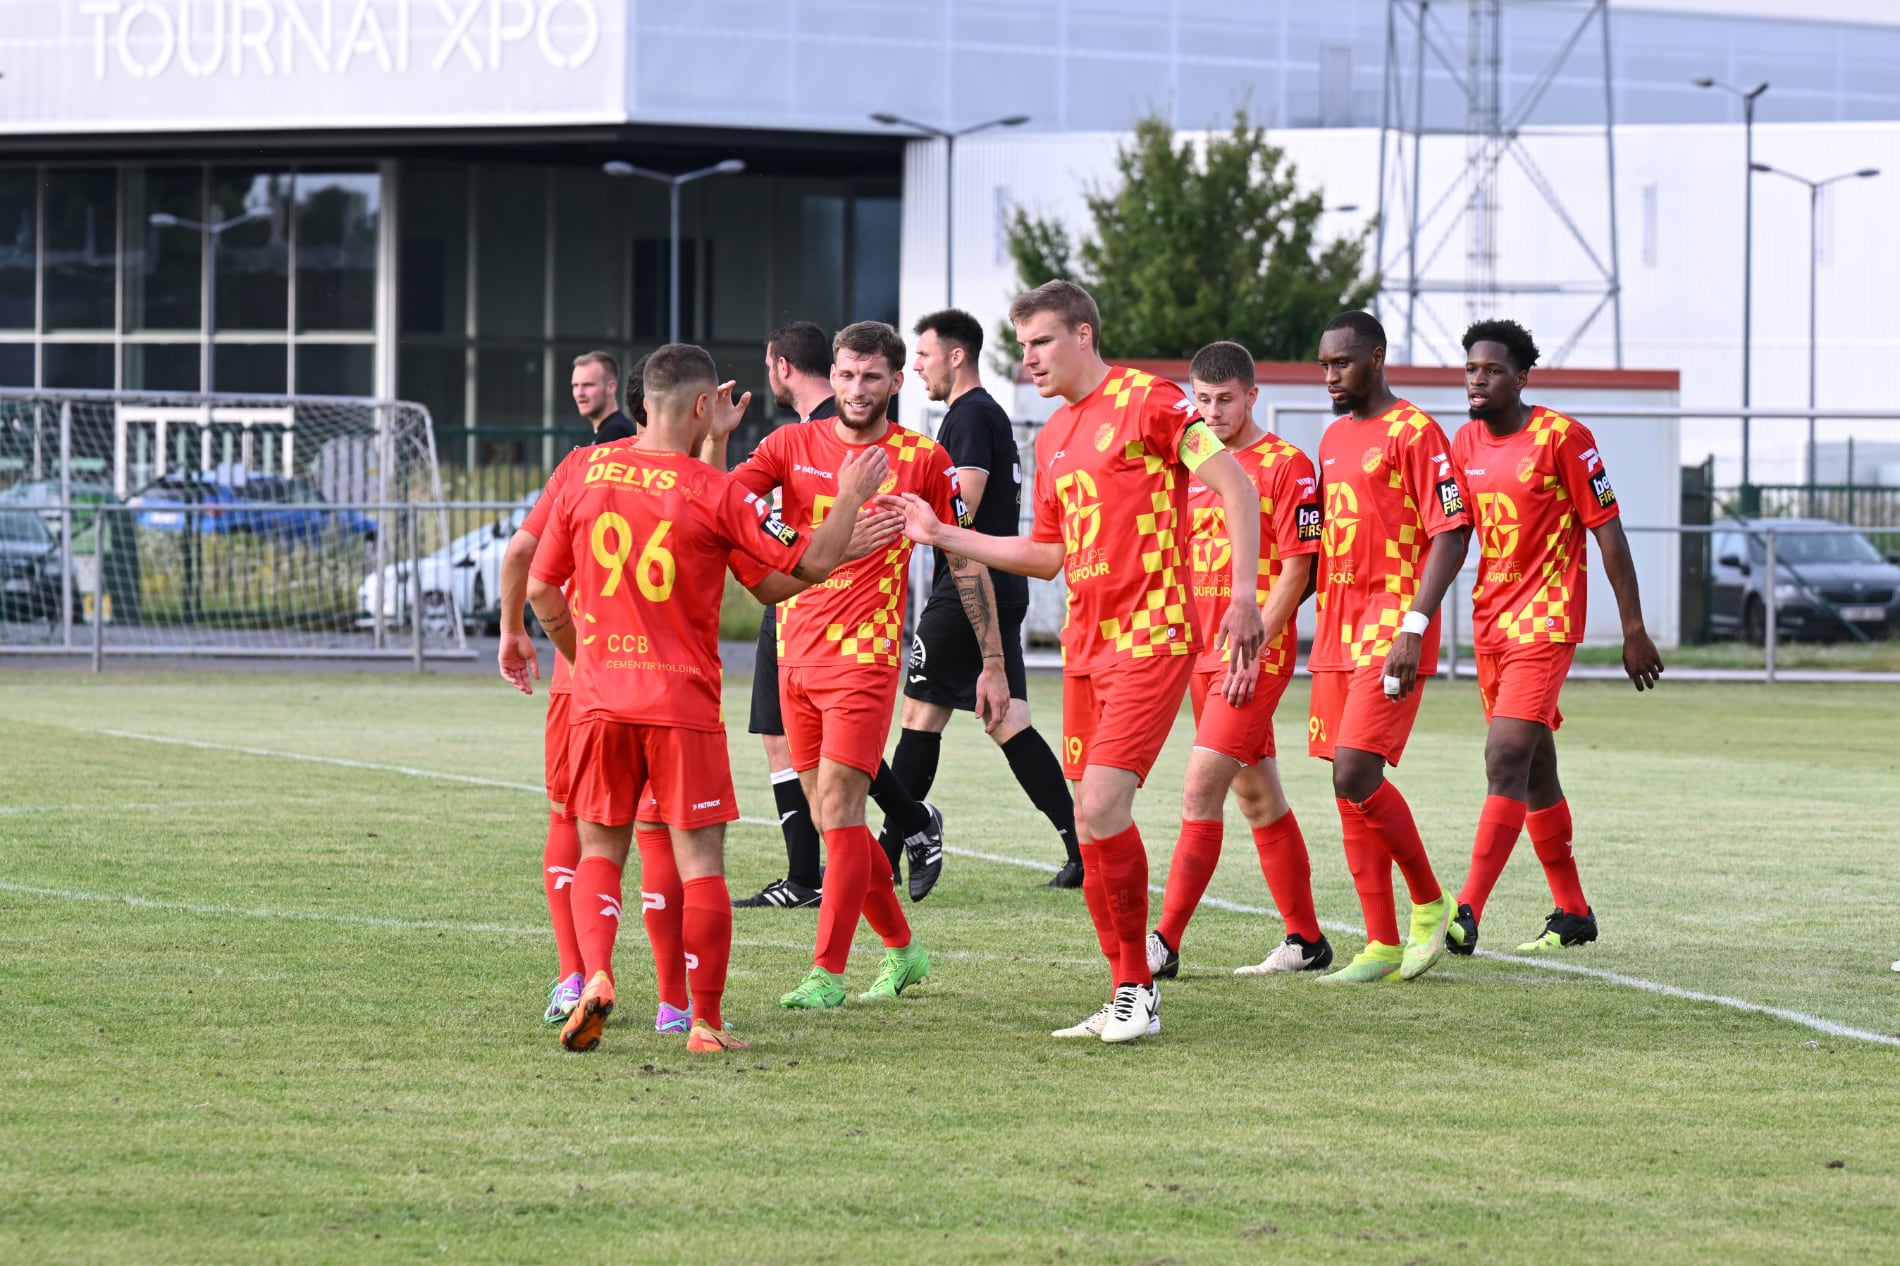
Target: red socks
706	924
1095	894
1196	853
1124	866
661	906
596	906
1371	868
1550	835
1390	819
882	910
559	856
1289	874
1499	824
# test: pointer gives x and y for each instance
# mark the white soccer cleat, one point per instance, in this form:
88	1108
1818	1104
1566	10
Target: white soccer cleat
1091	1027
1293	955
1896	964
1136	1012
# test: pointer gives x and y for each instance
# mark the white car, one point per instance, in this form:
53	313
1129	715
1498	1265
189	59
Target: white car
459	583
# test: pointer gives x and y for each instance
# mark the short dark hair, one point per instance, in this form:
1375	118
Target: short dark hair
954	325
871	338
633	399
604	359
675	368
1072	305
1364	324
804	344
1222	362
1515	338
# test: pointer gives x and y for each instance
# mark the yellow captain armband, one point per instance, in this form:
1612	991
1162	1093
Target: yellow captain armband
1198	443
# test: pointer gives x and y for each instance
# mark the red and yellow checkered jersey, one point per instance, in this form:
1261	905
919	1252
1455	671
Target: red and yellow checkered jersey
1536	493
630	535
749	570
1289	527
1111	487
1388	489
857	615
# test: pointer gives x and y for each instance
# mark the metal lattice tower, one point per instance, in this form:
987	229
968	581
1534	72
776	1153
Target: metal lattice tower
1430	69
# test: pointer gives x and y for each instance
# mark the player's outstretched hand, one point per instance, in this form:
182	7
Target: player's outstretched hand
518	661
860	475
992	695
1241	632
1401	662
1640	660
877	528
1242	680
920	521
726	415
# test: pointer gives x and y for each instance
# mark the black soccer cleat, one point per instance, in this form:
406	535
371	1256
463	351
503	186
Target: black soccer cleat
780	894
1462	936
1563	930
1295	954
926	855
1070	876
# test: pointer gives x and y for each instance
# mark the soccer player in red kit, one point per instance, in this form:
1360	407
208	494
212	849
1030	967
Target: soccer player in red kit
1233	740
1396	529
632	528
840	649
1111	516
1537	483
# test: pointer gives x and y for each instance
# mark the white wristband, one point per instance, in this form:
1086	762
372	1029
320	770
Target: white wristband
1392	685
1415	622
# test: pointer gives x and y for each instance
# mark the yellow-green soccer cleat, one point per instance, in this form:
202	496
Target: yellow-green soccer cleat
819	991
1561	931
901	969
1372	964
1427	945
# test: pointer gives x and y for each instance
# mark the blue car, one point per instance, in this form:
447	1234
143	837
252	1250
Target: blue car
285	509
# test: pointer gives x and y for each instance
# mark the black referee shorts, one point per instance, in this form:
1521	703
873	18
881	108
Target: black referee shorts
766	718
945	658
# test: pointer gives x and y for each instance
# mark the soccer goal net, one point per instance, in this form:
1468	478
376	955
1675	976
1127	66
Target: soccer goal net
155	523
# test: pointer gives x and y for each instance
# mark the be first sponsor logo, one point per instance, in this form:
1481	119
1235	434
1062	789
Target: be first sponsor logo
1308	522
1451	498
779	530
1600	485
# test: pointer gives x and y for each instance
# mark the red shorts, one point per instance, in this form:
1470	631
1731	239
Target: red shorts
1244	733
837	712
1350	709
655	772
554	749
1120	716
1522	683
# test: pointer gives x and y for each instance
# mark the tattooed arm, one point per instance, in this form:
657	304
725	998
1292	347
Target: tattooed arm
978	595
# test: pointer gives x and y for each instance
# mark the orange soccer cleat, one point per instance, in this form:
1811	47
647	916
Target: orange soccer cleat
706	1039
582	1032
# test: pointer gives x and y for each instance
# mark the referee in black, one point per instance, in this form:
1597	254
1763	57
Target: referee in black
945	659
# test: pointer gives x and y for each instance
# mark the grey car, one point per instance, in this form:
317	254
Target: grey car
1828	577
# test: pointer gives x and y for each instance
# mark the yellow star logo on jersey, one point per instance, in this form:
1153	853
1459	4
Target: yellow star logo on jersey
1342	520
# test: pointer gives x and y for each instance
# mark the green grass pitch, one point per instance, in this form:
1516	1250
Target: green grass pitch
255	1009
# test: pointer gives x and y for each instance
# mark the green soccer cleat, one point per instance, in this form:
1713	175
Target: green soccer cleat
1427	946
1461	936
1372	964
819	991
901	969
1561	931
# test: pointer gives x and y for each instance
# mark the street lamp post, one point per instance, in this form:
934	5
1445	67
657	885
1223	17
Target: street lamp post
1748	99
214	230
949	139
1814	188
616	168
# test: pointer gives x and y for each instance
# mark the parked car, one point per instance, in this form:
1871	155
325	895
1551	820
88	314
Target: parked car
289	510
29	567
43	497
1824	581
461	582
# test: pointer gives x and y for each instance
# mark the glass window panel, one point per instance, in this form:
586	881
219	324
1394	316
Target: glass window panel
510	266
253	259
17	256
16	364
876	235
809	254
434	250
434	377
737	221
509	387
590	255
336	369
164	264
82	213
653	293
79	366
161	366
251	367
336	250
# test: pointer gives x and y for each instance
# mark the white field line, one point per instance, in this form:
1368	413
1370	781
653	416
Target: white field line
1817	1023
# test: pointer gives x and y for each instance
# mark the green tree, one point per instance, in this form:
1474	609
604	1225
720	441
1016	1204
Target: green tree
1198	243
